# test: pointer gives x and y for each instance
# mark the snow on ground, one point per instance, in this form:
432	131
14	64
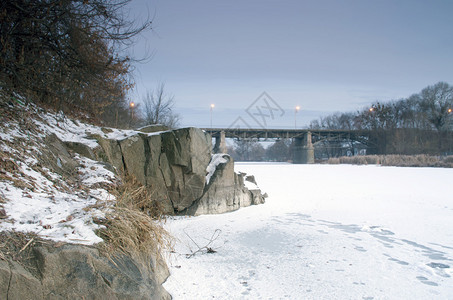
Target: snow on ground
325	232
34	198
69	130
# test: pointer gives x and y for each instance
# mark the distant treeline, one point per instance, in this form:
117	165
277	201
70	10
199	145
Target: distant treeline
252	150
419	124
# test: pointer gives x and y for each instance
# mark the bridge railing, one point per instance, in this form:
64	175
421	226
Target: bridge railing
259	133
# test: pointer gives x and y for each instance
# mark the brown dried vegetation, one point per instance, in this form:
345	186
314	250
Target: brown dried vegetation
134	224
421	160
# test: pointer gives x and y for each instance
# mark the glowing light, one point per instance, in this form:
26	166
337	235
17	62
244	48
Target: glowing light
449	110
296	109
132	105
212	106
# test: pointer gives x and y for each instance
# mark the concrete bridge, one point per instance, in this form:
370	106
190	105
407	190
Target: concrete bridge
303	138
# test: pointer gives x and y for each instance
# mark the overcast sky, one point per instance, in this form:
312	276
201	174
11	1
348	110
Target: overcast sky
324	56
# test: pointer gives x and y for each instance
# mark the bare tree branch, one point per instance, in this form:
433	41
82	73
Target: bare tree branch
158	108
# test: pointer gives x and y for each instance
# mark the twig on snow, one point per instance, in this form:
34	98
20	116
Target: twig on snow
206	247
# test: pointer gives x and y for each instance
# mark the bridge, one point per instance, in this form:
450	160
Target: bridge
303	138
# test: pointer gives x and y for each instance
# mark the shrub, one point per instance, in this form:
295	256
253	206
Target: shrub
422	160
134	225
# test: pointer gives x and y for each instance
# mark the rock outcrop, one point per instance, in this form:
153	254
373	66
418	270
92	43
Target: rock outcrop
80	272
173	165
225	192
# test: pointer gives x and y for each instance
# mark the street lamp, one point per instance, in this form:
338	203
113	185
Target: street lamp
212	107
295	116
131	106
449	110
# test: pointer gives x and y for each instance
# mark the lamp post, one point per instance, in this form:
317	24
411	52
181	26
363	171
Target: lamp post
296	110
131	106
212	107
449	111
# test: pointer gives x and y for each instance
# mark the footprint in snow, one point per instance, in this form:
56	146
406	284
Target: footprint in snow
359	248
440	269
401	262
425	280
438	265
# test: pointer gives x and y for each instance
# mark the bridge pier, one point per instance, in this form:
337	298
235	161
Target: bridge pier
304	152
220	144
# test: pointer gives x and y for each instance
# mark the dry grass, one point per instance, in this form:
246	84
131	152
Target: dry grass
417	161
421	160
131	193
135	223
355	160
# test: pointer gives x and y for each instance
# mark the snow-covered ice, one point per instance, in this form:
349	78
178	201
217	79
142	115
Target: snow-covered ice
325	232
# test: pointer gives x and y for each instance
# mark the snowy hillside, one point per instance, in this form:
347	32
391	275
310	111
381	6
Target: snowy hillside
34	198
325	232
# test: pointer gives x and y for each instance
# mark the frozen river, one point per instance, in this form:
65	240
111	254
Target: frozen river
325	232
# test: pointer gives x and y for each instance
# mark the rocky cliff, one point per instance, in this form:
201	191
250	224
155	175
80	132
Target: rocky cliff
175	165
51	271
55	180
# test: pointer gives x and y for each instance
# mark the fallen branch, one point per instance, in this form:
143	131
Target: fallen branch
206	247
26	245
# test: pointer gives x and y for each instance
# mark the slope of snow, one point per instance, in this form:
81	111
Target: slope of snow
41	201
34	198
325	232
69	130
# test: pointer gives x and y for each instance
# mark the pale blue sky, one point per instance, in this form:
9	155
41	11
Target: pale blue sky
324	56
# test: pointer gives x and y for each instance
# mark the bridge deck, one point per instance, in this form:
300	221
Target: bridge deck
261	133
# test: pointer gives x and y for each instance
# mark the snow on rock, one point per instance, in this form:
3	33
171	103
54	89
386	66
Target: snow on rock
250	183
216	160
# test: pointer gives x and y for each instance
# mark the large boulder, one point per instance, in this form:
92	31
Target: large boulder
134	156
225	192
55	155
173	166
18	283
153	128
110	151
188	152
80	272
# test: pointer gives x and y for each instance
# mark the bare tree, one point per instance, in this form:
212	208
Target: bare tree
67	54
278	151
158	108
248	150
421	123
435	102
